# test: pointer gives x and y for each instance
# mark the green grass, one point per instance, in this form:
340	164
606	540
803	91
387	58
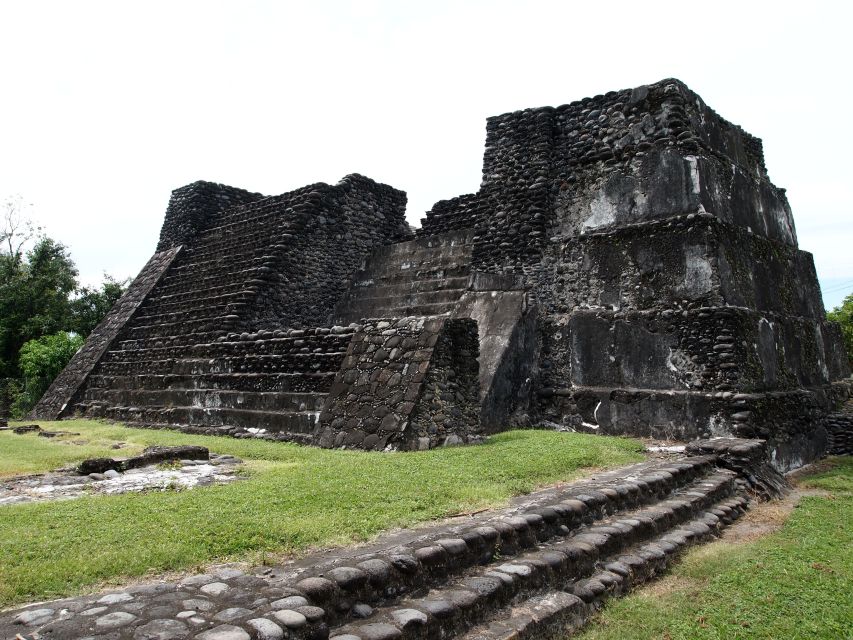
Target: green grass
295	498
794	583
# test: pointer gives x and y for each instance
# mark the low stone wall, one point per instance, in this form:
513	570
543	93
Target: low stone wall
407	383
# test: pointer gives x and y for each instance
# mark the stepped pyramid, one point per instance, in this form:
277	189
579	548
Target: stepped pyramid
626	267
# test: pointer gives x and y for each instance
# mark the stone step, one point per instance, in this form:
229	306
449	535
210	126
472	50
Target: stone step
187	315
458	241
280	382
137	330
259	423
380	288
339	336
190	294
276	401
417	262
183	340
404	311
560	511
204	285
421	277
560	612
535	569
623	550
400	298
430	563
178	306
284	363
406	277
130	351
230	261
401	306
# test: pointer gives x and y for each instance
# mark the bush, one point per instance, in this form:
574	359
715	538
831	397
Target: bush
40	362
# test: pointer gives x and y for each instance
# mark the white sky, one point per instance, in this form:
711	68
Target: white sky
105	107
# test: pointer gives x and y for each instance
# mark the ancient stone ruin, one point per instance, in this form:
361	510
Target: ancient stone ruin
626	267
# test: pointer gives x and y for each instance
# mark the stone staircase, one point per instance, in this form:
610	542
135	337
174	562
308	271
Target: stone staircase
542	568
270	385
177	361
422	277
537	569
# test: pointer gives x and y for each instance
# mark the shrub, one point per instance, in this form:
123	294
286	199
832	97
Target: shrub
843	315
40	361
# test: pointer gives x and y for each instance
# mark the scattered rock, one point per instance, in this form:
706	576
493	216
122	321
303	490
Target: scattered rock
161	629
114	620
34	616
224	632
266	629
26	428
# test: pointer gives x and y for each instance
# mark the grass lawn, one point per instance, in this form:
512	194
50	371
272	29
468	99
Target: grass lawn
794	583
294	498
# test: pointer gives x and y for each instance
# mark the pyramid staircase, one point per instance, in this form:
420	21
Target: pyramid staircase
423	277
179	362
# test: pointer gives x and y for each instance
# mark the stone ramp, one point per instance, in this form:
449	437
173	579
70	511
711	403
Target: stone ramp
535	569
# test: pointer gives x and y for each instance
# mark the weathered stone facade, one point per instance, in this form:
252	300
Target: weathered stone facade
627	267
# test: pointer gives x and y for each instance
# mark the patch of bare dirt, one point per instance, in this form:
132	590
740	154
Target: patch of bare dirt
667	585
762	519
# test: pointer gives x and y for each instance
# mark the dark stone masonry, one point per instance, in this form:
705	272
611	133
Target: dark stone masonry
626	267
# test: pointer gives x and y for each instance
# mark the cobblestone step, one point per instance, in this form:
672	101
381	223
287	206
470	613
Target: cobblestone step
587	566
558	613
273	363
439	560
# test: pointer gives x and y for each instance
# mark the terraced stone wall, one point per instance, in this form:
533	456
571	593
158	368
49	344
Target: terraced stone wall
638	273
672	298
602	162
194	207
333	232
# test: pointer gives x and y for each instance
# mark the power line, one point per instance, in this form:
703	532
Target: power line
840	290
838	287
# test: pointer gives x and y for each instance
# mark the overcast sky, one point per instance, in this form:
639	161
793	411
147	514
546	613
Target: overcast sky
108	106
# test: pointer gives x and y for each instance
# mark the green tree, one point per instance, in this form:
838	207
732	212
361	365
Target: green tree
843	315
34	298
40	361
44	314
92	304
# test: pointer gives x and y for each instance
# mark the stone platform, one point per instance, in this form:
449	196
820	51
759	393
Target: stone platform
536	569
